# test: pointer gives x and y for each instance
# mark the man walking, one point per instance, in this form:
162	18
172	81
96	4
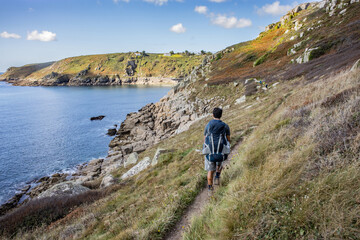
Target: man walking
216	132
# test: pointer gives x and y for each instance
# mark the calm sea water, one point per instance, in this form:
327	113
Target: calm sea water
44	130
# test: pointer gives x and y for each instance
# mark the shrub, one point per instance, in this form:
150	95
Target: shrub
261	59
46	210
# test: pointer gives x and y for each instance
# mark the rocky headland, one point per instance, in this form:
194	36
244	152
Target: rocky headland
106	70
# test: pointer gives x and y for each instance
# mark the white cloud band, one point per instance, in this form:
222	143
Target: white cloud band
44	36
231	22
274	9
201	9
9	35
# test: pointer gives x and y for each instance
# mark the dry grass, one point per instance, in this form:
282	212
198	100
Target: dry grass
296	176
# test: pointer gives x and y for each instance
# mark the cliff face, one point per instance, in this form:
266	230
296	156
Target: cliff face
107	69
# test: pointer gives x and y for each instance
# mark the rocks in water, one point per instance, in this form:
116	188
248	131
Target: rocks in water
43	179
131	159
107	181
65	188
99	118
90	170
111	131
46	183
143	164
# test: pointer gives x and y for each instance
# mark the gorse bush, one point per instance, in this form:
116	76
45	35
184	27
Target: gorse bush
46	210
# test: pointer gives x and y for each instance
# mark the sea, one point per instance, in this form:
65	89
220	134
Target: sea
45	130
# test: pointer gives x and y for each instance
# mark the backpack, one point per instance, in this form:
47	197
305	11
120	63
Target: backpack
216	147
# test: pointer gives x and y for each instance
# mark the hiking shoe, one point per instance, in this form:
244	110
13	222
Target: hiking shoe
210	191
217	181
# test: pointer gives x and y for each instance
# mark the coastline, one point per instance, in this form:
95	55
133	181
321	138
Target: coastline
95	81
32	187
171	115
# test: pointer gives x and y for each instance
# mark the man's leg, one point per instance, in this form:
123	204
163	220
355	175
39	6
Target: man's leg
210	167
217	174
210	177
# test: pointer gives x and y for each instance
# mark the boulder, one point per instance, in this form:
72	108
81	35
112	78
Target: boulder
240	100
131	159
62	189
107	181
155	159
137	168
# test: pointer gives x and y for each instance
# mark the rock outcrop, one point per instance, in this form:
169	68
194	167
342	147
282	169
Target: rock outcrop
143	164
107	181
65	188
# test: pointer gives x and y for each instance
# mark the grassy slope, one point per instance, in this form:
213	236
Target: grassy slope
337	35
294	177
155	65
297	175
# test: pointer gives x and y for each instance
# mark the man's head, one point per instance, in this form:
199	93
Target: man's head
217	113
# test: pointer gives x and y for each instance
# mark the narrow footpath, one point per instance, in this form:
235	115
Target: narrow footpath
197	206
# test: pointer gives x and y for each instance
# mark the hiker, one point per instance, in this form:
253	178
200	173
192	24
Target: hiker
216	147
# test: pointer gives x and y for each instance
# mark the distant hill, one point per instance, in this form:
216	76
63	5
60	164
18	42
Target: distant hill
106	69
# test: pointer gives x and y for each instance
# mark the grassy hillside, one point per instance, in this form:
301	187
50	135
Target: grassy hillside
296	175
269	56
149	65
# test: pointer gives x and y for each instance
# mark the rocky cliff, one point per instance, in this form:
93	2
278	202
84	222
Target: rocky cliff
105	70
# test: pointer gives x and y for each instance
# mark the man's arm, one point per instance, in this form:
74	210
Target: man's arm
227	131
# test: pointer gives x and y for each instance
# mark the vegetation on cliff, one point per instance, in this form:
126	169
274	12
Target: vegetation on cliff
117	66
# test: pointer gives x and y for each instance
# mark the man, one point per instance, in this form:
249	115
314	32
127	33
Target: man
216	127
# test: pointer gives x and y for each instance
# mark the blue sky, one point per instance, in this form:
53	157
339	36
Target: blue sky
33	31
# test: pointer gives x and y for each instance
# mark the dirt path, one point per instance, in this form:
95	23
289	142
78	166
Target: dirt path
196	207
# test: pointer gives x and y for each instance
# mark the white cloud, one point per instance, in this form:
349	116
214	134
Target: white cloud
201	9
231	22
9	35
217	1
157	2
116	1
178	28
44	36
275	9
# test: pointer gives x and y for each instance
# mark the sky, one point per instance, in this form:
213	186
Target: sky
34	31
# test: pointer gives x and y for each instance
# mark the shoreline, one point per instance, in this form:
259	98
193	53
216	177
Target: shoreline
97	82
30	189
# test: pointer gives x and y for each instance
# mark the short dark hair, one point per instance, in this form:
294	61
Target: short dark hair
217	112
